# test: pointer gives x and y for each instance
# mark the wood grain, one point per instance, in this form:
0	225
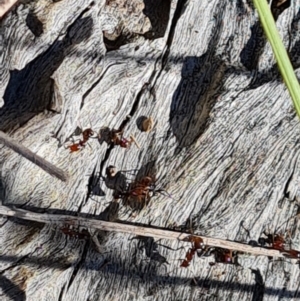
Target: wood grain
225	146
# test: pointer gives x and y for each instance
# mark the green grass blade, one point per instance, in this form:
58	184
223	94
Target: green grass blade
281	56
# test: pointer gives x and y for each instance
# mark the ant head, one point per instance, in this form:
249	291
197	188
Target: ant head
111	171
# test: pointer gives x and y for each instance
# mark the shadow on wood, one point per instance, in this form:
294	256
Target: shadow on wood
158	11
150	273
11	290
30	90
202	81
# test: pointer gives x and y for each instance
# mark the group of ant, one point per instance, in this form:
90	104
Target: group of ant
198	246
110	136
140	191
136	193
275	242
114	137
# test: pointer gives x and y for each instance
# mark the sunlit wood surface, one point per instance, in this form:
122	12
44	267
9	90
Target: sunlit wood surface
225	146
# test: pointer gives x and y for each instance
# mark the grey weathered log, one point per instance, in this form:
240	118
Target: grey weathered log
133	229
225	145
34	158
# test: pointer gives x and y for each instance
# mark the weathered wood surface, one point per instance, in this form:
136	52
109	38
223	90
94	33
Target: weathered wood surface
225	145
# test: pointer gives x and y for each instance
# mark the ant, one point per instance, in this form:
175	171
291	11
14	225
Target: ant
197	244
151	249
139	192
294	254
225	256
68	230
115	180
276	241
115	137
86	135
136	194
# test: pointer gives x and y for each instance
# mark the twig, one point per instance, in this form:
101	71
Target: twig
34	158
5	6
134	229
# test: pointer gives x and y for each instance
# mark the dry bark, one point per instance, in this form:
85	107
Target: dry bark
224	145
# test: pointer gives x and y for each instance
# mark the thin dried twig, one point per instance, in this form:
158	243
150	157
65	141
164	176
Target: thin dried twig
134	229
34	158
5	6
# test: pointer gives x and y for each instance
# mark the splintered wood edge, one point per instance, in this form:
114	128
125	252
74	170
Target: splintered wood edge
135	229
34	158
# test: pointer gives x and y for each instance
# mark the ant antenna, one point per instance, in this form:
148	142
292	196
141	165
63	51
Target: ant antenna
80	125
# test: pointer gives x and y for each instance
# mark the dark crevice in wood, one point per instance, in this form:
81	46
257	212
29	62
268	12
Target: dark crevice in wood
286	193
179	11
34	24
158	11
84	96
112	43
79	264
180	8
254	48
122	127
278	7
60	297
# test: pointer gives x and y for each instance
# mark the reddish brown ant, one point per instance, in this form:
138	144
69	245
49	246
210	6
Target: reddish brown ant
197	244
294	254
225	256
86	134
138	193
115	137
83	234
276	241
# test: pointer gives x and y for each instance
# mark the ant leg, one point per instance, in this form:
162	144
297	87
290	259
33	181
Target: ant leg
80	125
90	147
132	139
96	241
169	248
90	122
